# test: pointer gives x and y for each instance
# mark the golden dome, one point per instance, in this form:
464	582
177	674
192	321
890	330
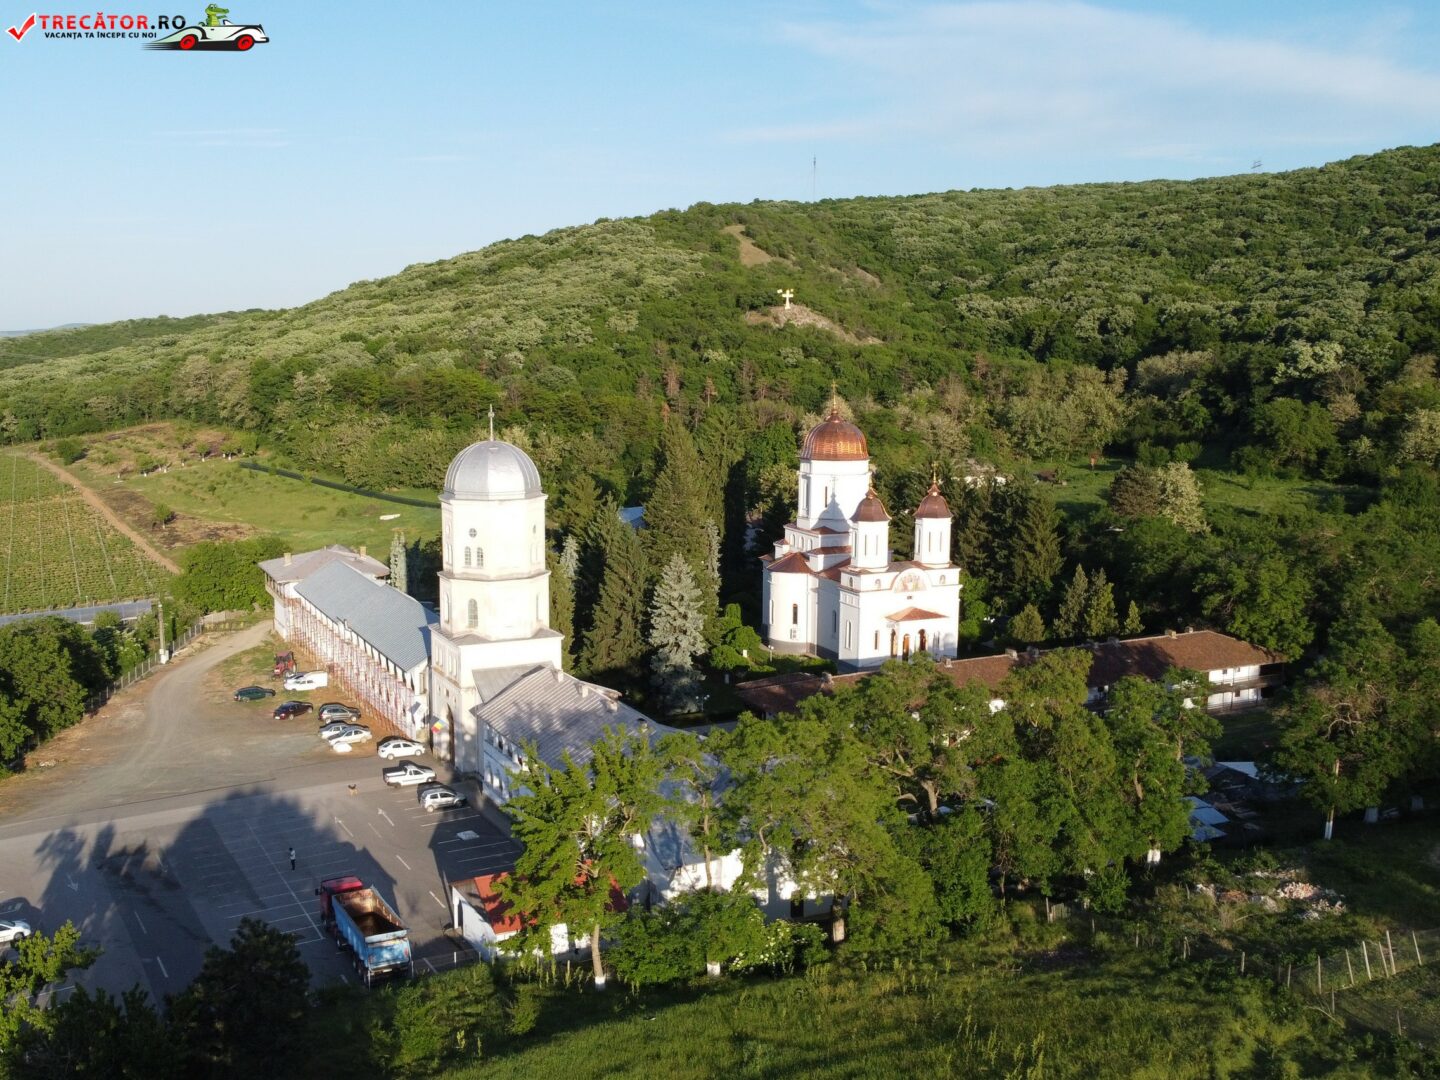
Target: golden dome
835	439
933	505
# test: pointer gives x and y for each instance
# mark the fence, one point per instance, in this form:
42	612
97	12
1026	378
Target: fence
337	486
139	672
1356	985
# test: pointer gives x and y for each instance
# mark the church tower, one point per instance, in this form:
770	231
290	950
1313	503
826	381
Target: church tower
932	529
494	585
870	534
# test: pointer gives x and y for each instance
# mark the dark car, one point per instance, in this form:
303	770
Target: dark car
253	693
287	709
334	710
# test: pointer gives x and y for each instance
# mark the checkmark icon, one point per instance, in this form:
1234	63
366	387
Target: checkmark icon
25	28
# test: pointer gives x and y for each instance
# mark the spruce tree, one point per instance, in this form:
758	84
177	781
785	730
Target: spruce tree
1100	619
398	576
562	605
1133	626
677	634
1035	557
676	512
615	641
1070	620
1026	626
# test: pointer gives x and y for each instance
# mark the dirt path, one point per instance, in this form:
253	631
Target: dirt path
151	552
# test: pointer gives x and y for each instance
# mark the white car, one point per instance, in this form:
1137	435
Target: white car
345	733
396	747
307	680
13	930
239	36
407	775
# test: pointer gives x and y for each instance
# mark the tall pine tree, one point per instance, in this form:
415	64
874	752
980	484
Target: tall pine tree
1035	545
678	507
677	634
562	605
1100	619
615	641
1070	620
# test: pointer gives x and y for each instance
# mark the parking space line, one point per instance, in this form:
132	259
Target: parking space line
278	874
438	900
141	922
376	831
402	861
162	967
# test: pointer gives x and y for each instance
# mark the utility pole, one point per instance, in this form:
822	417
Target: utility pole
160	621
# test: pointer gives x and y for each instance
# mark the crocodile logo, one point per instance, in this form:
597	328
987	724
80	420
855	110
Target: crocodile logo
214	33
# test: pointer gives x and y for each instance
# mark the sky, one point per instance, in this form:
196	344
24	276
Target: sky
366	136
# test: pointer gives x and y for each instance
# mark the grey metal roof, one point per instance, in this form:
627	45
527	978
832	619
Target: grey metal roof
492	470
394	624
127	610
306	563
559	713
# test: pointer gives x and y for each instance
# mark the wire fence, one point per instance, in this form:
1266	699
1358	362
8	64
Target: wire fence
145	668
1389	983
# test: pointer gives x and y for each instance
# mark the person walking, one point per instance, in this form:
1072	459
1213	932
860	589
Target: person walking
292	858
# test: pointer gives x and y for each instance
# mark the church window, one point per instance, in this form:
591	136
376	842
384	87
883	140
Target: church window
847	633
480	557
794	614
467	557
942	579
877	640
905	654
893	642
472	614
922	640
929	541
472	534
835	622
827	494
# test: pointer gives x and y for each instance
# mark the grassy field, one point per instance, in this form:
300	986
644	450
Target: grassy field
217	499
1080	490
58	551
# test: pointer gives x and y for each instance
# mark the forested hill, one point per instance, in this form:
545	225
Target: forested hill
1282	321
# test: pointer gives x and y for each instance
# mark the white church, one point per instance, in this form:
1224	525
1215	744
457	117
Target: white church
831	587
483	680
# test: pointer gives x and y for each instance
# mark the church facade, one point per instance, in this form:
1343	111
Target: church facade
831	587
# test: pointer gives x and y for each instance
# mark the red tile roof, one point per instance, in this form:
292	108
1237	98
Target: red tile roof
794	563
913	614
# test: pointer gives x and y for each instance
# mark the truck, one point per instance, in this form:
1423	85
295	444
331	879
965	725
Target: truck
361	921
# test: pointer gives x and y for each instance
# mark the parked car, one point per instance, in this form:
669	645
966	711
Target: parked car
393	746
333	710
253	693
441	797
348	733
407	775
286	709
307	680
13	930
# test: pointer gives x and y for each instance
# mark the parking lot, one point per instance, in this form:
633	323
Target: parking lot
158	856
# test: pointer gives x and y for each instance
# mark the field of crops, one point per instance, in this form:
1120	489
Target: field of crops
59	552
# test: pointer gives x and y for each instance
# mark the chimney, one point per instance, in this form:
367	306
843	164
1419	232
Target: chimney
584	690
289	558
1189	629
1012	654
362	551
612	705
1169	633
948	661
1032	652
559	675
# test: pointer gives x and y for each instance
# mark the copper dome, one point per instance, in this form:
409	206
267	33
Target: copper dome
870	509
933	505
835	439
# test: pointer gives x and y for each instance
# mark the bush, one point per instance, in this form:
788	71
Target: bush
161	515
69	451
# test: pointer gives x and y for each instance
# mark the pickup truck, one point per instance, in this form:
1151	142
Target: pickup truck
363	923
407	775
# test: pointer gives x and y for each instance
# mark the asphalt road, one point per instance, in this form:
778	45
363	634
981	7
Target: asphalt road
183	825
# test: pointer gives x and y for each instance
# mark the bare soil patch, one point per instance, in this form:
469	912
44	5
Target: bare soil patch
800	315
751	254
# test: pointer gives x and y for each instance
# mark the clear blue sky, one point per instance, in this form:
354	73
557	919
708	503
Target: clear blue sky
368	136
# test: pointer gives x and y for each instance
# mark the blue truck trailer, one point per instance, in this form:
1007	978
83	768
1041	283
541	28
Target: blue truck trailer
363	923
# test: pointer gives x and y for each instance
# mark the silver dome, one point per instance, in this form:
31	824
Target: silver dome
492	470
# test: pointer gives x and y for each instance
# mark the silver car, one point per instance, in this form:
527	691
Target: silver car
440	797
347	733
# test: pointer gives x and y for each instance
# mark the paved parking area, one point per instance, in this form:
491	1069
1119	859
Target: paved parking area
159	850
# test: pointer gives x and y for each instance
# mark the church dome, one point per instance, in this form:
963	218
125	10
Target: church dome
870	509
933	505
834	439
492	470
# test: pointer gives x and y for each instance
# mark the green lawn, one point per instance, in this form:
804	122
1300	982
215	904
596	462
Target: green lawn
304	515
1081	490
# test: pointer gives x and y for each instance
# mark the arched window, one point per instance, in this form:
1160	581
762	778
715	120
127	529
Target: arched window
877	640
794	614
467	557
472	614
922	640
905	653
480	558
894	641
